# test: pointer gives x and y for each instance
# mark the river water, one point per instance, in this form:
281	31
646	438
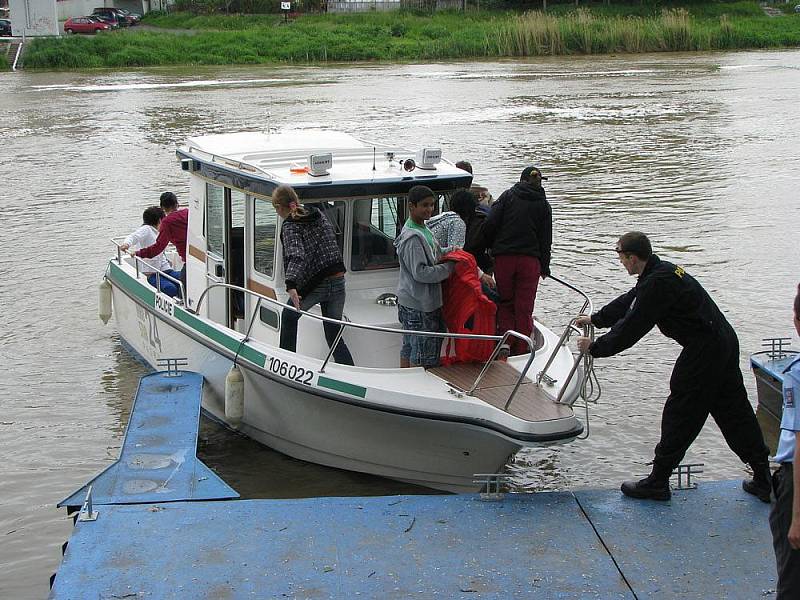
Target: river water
698	150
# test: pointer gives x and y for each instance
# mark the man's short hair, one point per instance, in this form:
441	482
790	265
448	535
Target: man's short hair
168	201
636	243
418	193
152	216
464	165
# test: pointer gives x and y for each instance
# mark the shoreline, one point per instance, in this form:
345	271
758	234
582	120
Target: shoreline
183	39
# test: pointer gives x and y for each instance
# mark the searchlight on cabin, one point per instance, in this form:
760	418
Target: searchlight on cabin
319	165
428	158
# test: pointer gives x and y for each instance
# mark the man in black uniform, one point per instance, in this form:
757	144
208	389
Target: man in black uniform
706	378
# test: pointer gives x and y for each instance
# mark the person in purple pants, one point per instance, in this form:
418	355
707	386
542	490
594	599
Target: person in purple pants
519	231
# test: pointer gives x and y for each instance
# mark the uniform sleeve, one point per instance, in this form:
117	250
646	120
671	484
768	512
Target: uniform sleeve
651	302
417	262
791	394
614	310
293	255
162	240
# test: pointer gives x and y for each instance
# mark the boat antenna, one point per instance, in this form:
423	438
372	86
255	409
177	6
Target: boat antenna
373	158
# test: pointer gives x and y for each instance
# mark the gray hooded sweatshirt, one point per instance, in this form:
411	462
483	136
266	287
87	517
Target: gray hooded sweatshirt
419	284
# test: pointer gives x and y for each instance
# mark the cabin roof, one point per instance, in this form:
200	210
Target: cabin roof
280	157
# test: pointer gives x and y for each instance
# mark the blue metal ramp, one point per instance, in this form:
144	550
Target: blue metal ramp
712	542
158	462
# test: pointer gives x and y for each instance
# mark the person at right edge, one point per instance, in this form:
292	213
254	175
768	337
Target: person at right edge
519	230
784	519
706	380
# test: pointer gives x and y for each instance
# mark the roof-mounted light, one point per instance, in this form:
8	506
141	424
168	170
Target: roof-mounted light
428	158
319	164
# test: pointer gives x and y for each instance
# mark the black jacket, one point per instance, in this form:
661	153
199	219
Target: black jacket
665	296
521	222
474	241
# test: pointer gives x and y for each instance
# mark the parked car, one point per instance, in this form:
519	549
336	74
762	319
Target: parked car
111	15
5	28
132	18
85	25
116	13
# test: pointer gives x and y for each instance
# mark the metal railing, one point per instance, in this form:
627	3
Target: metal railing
344	324
154	271
501	340
572	327
17	56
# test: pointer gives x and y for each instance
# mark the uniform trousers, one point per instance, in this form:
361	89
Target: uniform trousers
707	380
780	518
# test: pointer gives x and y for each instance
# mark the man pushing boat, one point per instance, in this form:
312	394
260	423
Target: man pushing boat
706	380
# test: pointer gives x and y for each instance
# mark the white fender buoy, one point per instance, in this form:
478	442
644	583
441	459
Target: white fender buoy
105	301
234	396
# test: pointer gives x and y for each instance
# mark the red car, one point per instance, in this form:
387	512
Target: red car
84	25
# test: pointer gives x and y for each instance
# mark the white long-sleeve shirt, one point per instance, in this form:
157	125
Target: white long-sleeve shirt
144	237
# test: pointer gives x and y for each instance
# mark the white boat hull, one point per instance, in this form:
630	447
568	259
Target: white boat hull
440	454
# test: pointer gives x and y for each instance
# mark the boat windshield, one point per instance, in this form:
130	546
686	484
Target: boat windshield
377	221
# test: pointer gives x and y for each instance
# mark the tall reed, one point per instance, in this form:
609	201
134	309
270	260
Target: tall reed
403	36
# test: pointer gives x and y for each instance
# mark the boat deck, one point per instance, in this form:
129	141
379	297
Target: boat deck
531	402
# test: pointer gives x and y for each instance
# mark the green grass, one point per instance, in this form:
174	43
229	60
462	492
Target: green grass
257	39
4	64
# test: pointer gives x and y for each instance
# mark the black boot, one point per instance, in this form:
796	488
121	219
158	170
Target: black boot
652	487
761	483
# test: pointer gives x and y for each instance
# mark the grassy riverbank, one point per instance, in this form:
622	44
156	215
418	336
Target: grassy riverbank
408	37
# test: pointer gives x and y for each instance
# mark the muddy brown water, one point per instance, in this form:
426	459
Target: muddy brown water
699	150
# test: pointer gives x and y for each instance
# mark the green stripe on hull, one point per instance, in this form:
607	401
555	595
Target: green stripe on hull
342	386
148	296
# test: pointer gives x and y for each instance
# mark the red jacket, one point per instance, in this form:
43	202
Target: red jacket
464	299
172	229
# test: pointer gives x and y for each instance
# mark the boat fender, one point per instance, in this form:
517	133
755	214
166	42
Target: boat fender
105	301
234	396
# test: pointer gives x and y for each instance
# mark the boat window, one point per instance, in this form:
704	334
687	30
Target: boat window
265	222
442	202
269	317
335	212
376	222
215	219
237	209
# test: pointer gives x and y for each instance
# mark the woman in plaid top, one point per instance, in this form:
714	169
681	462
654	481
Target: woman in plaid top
313	269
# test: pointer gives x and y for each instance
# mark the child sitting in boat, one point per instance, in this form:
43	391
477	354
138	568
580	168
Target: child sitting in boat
313	267
419	290
145	237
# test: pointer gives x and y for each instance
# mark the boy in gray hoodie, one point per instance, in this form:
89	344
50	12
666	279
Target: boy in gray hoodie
419	291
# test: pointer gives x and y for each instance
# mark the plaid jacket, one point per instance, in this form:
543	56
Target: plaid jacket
310	251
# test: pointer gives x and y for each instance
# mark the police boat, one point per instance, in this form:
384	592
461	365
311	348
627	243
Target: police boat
436	427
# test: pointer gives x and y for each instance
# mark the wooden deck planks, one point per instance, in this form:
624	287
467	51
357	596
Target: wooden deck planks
530	403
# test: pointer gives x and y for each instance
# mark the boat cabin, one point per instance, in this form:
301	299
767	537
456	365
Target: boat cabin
234	231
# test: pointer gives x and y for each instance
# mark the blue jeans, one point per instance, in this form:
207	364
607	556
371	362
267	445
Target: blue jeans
421	351
167	285
330	295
